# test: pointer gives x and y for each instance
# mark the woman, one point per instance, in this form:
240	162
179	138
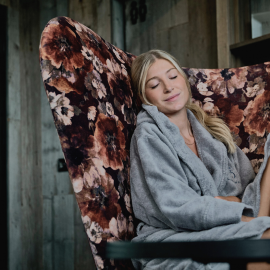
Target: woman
189	180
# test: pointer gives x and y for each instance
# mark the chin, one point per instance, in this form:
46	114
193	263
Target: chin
172	110
176	107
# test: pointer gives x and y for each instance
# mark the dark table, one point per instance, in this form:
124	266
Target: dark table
235	252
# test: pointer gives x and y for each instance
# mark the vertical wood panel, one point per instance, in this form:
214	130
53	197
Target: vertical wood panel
118	24
103	14
186	29
245	18
147	28
3	134
31	210
62	8
168	14
163	40
83	258
179	43
223	37
94	14
203	34
48	239
49	146
13	139
84	11
132	32
63	232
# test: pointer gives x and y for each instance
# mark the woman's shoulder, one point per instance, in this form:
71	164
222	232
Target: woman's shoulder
145	126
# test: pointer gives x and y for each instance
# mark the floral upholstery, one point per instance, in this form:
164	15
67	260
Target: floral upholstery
241	96
87	82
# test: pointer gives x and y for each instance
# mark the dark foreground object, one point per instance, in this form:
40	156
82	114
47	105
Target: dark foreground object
235	252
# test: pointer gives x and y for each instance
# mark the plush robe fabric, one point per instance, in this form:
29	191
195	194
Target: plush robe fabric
172	190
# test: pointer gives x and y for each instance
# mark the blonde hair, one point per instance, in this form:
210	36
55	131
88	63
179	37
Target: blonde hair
214	125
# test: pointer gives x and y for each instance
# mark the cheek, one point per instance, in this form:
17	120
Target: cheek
149	95
182	85
152	96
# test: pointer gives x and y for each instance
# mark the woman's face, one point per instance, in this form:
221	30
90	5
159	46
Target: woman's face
163	81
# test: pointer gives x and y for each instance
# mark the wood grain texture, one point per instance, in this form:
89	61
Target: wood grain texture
223	33
63	226
14	139
133	35
51	149
202	34
31	178
184	28
83	258
240	32
118	24
179	43
34	185
62	8
94	14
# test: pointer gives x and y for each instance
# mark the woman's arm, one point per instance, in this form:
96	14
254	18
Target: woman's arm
166	196
235	199
246	219
229	198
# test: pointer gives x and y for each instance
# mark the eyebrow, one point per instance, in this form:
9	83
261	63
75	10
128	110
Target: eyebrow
156	77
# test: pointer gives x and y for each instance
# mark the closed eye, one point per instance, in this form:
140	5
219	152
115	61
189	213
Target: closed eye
157	84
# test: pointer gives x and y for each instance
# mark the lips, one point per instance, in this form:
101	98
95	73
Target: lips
172	97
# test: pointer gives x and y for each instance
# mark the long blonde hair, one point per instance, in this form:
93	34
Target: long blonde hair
214	125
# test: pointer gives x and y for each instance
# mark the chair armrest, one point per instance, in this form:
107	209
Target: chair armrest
235	252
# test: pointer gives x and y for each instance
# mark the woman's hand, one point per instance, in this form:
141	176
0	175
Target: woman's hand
229	198
246	219
235	199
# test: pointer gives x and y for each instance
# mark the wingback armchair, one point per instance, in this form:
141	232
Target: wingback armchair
94	108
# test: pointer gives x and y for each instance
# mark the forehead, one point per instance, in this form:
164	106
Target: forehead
160	66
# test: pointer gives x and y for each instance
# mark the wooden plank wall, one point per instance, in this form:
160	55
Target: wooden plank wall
3	135
95	14
30	133
184	28
118	25
44	222
24	155
223	33
13	139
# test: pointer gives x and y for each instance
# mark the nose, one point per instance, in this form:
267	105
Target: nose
168	86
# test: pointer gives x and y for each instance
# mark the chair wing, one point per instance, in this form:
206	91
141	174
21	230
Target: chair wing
241	97
87	82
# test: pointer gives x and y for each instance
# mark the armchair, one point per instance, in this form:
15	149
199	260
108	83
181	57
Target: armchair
87	82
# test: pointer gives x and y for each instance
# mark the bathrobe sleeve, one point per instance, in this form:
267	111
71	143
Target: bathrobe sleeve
244	168
251	183
165	195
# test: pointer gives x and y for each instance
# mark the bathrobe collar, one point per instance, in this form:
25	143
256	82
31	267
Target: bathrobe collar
207	146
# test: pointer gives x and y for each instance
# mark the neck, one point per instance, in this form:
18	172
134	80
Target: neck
180	119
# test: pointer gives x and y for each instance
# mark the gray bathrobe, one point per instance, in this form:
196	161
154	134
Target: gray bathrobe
172	190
